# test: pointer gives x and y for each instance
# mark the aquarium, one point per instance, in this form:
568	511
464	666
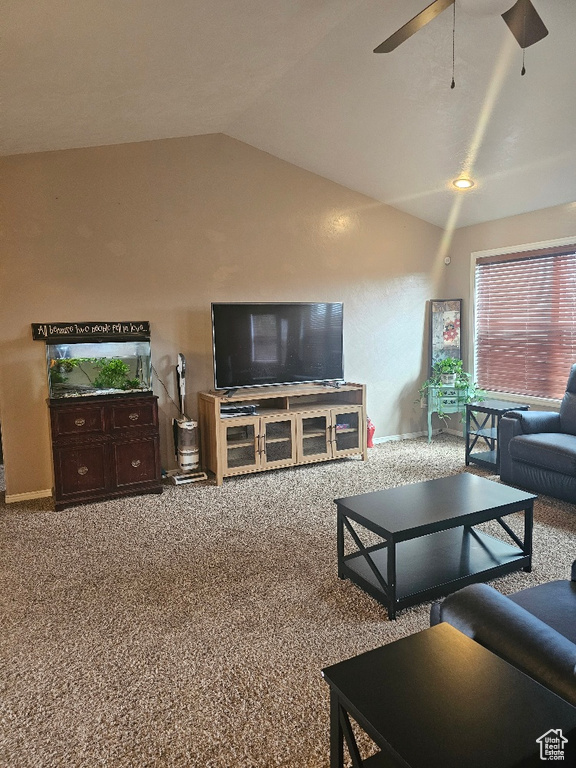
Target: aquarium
98	368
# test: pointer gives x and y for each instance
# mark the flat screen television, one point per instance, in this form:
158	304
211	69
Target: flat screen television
261	344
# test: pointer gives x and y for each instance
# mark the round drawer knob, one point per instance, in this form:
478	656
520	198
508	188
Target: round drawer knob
133	417
136	463
80	422
82	470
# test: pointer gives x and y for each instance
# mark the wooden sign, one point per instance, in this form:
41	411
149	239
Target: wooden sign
119	331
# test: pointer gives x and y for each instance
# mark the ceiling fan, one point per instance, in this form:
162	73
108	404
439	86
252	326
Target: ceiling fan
522	19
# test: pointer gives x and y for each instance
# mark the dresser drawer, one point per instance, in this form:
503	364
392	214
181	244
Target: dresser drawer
136	461
79	470
83	420
133	414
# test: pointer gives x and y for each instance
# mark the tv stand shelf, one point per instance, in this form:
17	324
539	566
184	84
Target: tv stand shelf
291	425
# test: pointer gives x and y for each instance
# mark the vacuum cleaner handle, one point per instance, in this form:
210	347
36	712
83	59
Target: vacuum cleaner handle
181	373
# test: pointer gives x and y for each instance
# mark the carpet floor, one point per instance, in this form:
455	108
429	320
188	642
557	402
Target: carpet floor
188	630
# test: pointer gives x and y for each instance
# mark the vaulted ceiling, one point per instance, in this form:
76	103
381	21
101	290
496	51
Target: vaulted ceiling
298	79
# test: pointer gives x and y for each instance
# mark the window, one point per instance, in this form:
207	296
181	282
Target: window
525	321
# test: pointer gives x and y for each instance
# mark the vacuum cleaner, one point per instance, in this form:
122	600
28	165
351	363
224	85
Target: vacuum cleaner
185	436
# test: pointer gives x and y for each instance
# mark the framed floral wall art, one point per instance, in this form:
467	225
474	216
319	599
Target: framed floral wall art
445	329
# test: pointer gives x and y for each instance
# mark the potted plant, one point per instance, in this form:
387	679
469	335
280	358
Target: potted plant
449	369
459	380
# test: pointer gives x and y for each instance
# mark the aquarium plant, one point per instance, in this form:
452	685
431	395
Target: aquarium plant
113	374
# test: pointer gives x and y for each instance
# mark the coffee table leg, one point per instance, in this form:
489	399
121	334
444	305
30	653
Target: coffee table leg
391	573
528	525
336	734
340	541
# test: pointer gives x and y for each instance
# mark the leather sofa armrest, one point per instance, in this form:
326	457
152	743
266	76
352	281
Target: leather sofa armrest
510	426
515	635
533	422
435	616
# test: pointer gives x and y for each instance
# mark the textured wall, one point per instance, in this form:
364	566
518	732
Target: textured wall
158	230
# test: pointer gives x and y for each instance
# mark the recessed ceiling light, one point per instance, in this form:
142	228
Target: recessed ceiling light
463	183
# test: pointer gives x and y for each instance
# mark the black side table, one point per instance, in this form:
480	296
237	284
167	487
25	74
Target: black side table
438	699
482	421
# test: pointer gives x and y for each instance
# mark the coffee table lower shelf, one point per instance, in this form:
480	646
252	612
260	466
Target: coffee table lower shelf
433	566
379	760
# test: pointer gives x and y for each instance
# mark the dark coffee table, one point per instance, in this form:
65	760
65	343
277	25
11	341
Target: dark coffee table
428	546
437	699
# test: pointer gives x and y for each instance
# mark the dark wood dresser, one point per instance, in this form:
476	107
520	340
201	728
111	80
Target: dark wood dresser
104	448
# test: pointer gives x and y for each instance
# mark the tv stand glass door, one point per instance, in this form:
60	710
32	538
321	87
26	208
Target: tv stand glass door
241	444
346	430
259	442
278	441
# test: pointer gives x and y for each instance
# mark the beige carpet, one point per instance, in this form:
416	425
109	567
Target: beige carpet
189	629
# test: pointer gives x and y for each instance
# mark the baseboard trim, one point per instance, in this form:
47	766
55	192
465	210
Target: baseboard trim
13	497
455	432
412	435
407	436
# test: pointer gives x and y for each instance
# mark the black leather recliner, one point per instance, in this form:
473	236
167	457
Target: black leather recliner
534	629
538	448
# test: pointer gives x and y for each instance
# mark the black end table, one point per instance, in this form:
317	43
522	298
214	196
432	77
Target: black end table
482	421
437	699
428	544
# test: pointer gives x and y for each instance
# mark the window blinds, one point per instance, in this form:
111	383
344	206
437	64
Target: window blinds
526	321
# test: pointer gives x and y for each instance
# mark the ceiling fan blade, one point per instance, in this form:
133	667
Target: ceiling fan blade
525	23
412	26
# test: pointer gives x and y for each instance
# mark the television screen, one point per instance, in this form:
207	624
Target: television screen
259	344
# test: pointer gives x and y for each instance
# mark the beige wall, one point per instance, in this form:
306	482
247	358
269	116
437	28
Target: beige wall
539	226
158	230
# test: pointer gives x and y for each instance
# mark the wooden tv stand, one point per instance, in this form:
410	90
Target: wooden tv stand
283	426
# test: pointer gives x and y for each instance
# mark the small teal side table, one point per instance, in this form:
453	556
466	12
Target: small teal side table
446	399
